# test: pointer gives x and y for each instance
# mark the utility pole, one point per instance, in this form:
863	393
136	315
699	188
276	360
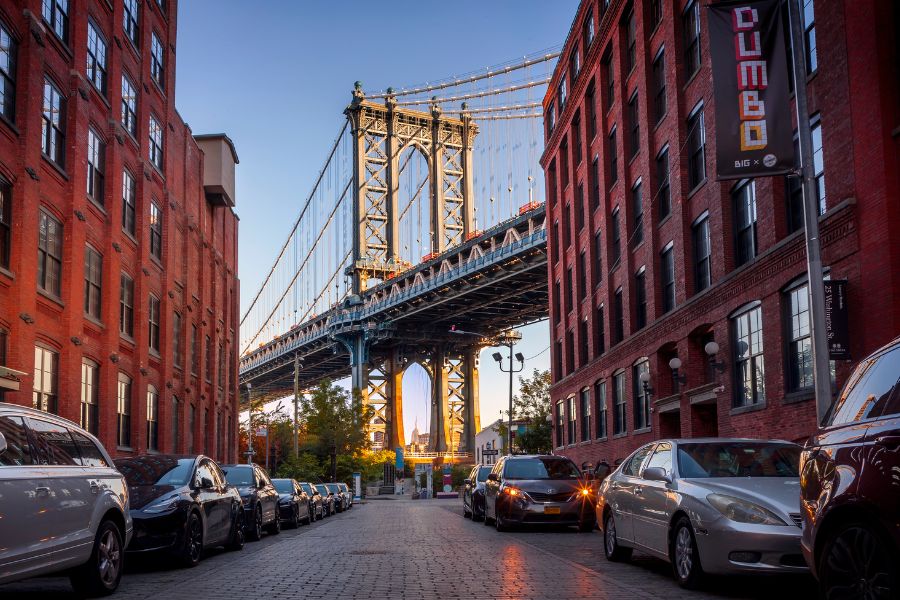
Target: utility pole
250	423
296	402
816	286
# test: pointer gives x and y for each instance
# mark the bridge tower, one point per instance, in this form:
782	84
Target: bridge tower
380	133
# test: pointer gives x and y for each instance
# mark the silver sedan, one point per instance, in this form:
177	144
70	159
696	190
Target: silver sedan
709	505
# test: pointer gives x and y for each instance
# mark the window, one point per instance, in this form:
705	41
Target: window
130	22
574	64
585	414
156	143
667	270
598	262
90	386
582	275
195	355
591	109
573	414
613	158
156	226
209	359
557	308
9	53
93	281
656	13
641	397
663	192
595	183
659	85
569	304
53	123
18	449
570	351
633	466
96	58
190	429
153	313
551	183
616	237
221	365
799	351
55	443
640	299
630	25
128	199
662	458
5	222
793	191
696	146
126	305
744	201
129	106
576	140
176	423
161	4
49	254
609	76
96	161
868	393
551	118
157	66
560	424
818	160
618	317
564	158
176	339
601	331
587	31
702	253
634	123
123	411
152	418
561	93
809	34
583	342
750	385
637	210
579	207
56	14
558	355
91	456
619	403
3	335
690	27
46	366
600	394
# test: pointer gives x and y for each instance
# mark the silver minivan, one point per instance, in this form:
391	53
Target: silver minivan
63	505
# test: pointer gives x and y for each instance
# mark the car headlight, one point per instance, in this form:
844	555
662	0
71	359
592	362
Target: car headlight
512	491
245	500
164	505
743	511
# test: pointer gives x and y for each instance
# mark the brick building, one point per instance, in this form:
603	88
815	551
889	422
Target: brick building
118	238
652	259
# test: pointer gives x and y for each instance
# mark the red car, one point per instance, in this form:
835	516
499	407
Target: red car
850	485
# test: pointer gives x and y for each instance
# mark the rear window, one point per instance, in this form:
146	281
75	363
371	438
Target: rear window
156	470
321	489
55	443
239	476
306	488
335	489
738	459
871	391
283	486
483	472
18	451
540	468
91	456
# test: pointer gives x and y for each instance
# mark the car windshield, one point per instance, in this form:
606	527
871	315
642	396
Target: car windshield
156	470
322	490
306	488
738	459
483	472
239	476
333	487
540	468
283	486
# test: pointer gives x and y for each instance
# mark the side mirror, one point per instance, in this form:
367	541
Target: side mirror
467	481
493	477
656	474
2	443
206	483
602	471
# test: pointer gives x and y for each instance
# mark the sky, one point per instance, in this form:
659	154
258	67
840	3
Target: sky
276	75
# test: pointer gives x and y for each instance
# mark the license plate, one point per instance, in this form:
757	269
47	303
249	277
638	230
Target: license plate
551	510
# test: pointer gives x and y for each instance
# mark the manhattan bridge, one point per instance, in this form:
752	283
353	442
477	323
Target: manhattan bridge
421	241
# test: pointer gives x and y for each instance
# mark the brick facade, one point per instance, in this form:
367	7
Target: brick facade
195	275
853	97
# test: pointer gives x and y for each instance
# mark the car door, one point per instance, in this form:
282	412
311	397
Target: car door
67	493
492	489
268	497
622	488
223	502
467	490
302	500
206	498
24	544
653	503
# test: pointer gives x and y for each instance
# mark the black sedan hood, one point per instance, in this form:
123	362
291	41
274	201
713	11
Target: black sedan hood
546	486
142	495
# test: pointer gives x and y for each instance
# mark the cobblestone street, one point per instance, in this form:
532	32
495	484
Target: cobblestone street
418	550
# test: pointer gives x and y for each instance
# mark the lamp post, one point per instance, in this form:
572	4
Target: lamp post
250	423
678	380
645	384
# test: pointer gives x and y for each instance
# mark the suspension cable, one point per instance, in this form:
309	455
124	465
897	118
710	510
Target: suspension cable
482	94
509	107
535	115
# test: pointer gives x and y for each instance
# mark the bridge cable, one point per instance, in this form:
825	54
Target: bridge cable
481	94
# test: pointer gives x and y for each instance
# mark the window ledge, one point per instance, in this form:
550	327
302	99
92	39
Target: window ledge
691	79
601	439
92	203
157	262
584	442
12	126
740	410
620	435
660	121
799	396
642	430
125	448
51	297
665	219
124	337
697	187
60	171
8	274
94	321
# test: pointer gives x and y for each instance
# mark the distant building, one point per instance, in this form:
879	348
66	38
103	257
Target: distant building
489	438
418	442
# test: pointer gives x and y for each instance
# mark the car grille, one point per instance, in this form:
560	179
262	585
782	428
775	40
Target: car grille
557	497
797	519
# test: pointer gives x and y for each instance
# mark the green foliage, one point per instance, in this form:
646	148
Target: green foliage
458	474
532	405
306	467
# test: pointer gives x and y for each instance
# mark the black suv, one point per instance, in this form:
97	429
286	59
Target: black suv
259	497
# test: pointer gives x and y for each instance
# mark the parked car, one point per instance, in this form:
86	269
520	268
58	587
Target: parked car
473	492
316	505
182	505
293	503
341	501
328	500
537	490
706	505
850	485
346	489
65	508
259	498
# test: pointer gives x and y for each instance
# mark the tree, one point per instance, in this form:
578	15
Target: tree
532	405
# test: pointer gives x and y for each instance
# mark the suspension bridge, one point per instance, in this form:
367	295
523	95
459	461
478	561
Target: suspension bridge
421	224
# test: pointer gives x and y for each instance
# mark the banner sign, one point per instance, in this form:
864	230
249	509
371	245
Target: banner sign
754	129
836	321
398	451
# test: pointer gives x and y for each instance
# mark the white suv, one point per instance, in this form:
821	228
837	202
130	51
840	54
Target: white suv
63	506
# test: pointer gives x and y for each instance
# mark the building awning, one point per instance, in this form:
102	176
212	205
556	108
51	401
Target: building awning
9	378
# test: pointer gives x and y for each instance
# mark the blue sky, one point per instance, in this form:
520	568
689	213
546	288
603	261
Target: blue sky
276	76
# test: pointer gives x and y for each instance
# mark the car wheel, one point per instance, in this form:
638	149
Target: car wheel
256	526
274	527
236	541
192	549
295	522
467	514
611	547
101	574
857	562
499	523
684	555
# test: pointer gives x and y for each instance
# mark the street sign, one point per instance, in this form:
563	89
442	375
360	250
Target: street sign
490	452
399	455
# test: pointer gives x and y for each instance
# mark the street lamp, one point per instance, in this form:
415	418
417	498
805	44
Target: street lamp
250	422
711	349
645	383
678	380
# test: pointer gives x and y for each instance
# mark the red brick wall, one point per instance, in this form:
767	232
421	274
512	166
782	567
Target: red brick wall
855	91
197	275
